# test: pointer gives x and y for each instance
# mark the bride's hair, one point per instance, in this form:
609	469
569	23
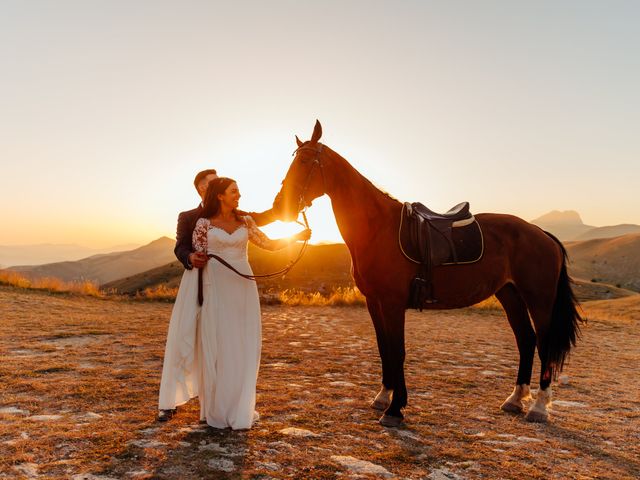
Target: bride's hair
211	203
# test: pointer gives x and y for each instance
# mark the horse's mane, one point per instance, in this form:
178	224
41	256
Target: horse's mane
383	192
373	185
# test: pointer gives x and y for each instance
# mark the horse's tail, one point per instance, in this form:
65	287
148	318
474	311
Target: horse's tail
565	318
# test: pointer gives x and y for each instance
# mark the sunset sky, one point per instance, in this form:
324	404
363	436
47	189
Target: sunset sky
109	108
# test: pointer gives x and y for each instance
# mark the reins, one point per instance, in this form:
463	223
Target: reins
301	208
265	276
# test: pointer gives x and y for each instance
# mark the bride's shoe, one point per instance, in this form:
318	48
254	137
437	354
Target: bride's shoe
164	415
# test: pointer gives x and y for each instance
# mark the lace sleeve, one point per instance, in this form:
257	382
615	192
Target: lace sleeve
257	237
199	238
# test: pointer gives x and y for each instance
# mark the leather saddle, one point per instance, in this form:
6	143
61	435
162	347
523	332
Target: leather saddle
432	239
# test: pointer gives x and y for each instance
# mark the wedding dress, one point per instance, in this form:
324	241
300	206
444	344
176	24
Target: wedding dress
213	351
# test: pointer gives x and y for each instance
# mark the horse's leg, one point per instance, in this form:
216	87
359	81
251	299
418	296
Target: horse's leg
394	333
538	412
383	398
557	322
518	316
541	307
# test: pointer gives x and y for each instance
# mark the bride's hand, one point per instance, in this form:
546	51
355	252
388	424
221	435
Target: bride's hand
303	235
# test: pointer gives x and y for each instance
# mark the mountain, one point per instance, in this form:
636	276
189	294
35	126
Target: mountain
103	268
327	265
565	225
609	232
568	226
615	261
11	255
587	290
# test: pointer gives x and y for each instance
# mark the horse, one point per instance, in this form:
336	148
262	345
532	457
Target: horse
522	265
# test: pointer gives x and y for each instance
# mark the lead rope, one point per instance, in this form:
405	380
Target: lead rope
279	273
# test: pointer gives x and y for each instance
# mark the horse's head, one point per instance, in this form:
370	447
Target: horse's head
305	179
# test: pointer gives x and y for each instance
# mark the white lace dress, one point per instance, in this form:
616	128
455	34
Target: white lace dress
213	351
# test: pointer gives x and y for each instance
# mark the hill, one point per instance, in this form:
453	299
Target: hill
11	255
323	266
617	311
565	225
586	291
609	232
568	226
615	261
105	268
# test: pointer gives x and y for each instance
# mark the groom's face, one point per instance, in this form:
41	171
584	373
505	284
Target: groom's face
204	183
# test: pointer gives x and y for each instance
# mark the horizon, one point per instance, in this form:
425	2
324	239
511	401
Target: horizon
133	245
109	110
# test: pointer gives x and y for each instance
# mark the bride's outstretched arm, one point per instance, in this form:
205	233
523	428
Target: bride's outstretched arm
261	218
257	237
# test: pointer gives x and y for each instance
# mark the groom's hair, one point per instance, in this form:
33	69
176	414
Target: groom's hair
201	175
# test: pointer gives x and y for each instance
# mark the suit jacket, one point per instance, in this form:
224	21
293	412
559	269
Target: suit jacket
187	223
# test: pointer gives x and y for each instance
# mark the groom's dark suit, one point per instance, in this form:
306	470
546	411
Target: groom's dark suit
187	223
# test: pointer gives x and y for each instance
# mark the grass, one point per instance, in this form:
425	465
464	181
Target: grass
160	293
50	284
339	296
96	366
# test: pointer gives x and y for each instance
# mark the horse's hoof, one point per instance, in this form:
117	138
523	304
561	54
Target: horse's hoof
391	421
511	407
378	405
536	416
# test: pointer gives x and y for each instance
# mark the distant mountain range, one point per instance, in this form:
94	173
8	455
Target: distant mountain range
322	266
602	258
103	268
11	255
568	226
602	268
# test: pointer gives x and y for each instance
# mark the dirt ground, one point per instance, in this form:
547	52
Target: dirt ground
79	379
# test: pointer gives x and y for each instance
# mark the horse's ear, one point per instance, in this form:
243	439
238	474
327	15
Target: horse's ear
317	132
298	141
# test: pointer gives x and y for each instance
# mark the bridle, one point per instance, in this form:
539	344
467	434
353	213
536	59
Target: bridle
302	207
315	162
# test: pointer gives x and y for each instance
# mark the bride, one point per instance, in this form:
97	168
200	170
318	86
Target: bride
213	351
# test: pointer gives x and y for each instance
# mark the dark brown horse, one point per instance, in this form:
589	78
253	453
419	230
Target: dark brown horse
522	265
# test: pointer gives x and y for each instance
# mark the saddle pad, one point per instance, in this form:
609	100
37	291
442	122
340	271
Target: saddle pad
468	242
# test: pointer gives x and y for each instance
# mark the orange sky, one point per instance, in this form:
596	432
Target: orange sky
110	108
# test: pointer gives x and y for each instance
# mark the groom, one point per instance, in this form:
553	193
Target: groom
187	222
184	249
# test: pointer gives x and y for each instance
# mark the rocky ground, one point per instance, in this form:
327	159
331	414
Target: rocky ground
79	380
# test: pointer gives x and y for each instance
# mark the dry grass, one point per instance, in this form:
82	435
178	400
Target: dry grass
625	309
490	303
50	284
160	293
343	296
96	365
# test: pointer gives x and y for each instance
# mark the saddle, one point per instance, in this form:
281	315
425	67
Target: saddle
433	239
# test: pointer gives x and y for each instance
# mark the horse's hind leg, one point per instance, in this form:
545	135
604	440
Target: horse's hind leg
516	310
383	398
541	307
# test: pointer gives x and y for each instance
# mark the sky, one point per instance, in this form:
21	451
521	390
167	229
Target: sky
109	108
